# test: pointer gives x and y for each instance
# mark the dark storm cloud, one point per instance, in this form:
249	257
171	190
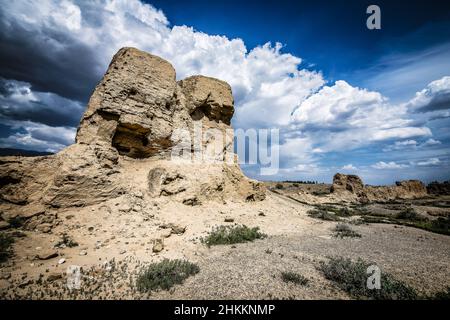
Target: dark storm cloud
440	101
50	60
44	114
18	102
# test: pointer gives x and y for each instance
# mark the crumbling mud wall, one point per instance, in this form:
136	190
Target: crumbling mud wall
353	185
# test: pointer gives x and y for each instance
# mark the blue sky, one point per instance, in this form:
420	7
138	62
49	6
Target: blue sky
345	98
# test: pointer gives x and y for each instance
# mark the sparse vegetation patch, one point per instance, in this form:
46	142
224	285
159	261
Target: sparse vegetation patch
352	278
165	274
323	215
232	234
407	218
294	278
409	214
343	230
66	241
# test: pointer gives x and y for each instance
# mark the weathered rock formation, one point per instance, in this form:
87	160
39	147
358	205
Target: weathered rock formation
352	184
135	121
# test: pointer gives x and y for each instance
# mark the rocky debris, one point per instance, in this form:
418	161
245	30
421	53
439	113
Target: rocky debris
83	252
174	228
352	184
4	285
439	188
4	225
166	233
61	261
158	245
54	276
46	255
44	227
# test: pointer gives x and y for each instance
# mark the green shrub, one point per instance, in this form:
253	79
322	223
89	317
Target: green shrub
165	274
319	193
409	214
232	234
66	241
6	242
294	278
343	230
441	225
323	215
279	186
352	278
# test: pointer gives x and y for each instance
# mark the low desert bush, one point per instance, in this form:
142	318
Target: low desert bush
323	215
6	242
441	225
343	230
409	214
66	241
352	278
442	295
232	234
294	278
165	274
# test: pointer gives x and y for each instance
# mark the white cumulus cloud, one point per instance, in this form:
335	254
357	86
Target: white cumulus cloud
429	162
388	165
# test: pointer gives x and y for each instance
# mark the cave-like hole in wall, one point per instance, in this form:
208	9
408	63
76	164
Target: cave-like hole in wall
131	140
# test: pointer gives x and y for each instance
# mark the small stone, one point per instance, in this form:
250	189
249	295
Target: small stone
61	261
122	251
46	255
25	283
228	219
166	233
139	194
4	225
54	276
32	212
261	214
175	229
83	252
158	246
44	227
